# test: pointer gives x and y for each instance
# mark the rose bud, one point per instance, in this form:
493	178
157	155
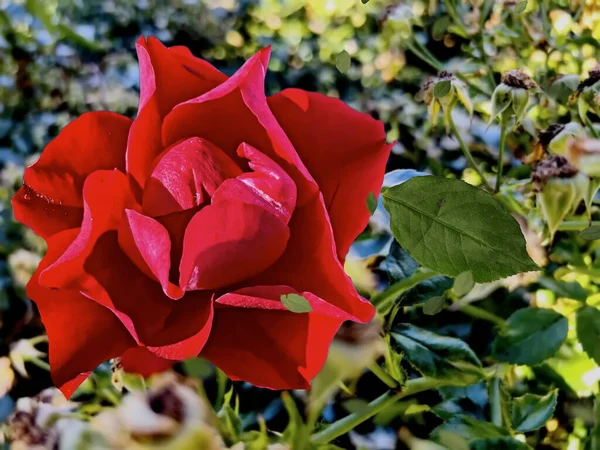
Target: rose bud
556	139
587	94
449	91
177	234
170	415
559	188
511	97
37	422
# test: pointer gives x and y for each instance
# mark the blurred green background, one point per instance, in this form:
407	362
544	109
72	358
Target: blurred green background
60	58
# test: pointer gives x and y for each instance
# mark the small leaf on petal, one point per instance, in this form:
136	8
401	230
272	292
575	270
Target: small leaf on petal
296	303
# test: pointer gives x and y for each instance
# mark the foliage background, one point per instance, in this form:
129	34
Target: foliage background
60	58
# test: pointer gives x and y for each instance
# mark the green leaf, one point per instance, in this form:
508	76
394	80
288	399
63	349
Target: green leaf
442	88
439	27
426	289
588	331
564	289
398	264
371	203
591	233
500	401
520	7
434	305
531	335
437	356
503	443
469	429
343	61
452	227
531	412
296	303
464	283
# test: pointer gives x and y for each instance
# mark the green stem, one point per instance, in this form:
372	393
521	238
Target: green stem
590	125
410	44
381	300
382	402
501	156
383	375
482	314
468	154
38	339
577	225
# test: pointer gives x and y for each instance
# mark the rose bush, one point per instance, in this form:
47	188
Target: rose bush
177	233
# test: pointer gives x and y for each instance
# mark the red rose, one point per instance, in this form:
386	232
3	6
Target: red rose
176	234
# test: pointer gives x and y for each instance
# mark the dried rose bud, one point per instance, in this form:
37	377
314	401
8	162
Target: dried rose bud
442	93
511	97
587	94
559	188
584	154
556	139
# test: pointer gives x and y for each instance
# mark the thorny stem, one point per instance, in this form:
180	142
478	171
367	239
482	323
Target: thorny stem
383	375
382	402
468	154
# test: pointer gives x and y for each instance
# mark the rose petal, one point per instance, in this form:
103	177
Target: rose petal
50	200
106	196
187	328
184	175
142	361
310	263
167	77
237	111
344	150
230	241
146	242
269	186
255	339
77	327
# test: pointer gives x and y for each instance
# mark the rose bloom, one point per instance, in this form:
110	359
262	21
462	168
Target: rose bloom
176	234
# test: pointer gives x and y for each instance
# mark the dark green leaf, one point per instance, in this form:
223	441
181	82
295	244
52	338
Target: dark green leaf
531	412
437	356
520	7
442	88
469	429
500	401
434	305
371	203
564	289
591	233
426	289
399	265
588	331
463	283
296	303
503	443
343	61
531	335
439	27
451	227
